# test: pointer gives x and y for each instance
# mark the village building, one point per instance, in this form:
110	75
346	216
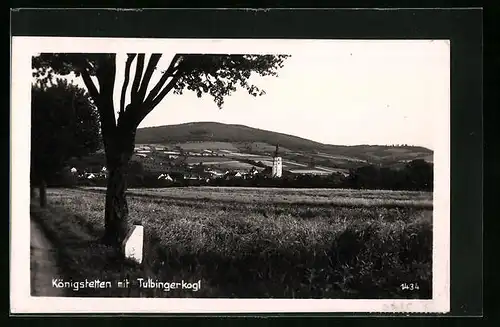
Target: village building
215	174
233	174
165	177
277	169
253	171
192	177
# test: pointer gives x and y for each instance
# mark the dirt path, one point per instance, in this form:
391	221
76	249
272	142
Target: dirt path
43	264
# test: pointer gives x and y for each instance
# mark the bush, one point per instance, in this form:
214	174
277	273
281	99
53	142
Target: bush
63	179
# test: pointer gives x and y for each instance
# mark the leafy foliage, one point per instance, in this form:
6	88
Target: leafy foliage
215	74
46	65
64	124
220	75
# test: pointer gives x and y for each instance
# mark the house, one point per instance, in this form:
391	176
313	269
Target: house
214	173
233	174
250	174
253	171
192	177
166	177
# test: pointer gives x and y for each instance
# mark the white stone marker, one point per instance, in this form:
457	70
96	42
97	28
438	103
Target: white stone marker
133	243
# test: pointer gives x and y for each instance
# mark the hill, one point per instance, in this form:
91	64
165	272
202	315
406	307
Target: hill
240	138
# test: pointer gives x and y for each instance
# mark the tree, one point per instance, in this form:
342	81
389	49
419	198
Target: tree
217	75
64	124
420	175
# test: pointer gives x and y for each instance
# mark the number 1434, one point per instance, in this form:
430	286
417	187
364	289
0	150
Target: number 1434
409	286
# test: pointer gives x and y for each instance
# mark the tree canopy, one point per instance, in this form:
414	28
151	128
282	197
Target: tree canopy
64	124
215	74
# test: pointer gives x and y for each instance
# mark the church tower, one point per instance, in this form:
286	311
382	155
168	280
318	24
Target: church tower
277	165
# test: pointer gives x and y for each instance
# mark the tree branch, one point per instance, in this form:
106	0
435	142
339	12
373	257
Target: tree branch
90	85
153	62
90	66
106	73
169	72
149	106
167	89
85	64
128	64
137	78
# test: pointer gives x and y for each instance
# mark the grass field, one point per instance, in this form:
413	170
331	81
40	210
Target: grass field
255	242
193	146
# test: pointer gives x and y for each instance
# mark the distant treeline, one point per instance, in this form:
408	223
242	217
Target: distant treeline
416	175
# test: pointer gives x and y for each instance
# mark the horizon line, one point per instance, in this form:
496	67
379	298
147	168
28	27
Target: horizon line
292	135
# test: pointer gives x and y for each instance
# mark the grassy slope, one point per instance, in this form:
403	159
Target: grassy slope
259	145
256	246
243	137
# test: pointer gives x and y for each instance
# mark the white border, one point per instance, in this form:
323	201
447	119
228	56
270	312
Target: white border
21	302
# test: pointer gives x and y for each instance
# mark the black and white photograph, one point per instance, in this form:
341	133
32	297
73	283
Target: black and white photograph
198	175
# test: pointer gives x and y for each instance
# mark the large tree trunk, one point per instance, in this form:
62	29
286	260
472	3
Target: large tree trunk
119	152
42	187
116	207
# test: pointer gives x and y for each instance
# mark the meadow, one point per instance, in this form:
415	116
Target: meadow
254	242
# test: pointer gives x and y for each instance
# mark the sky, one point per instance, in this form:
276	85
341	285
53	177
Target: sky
346	93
